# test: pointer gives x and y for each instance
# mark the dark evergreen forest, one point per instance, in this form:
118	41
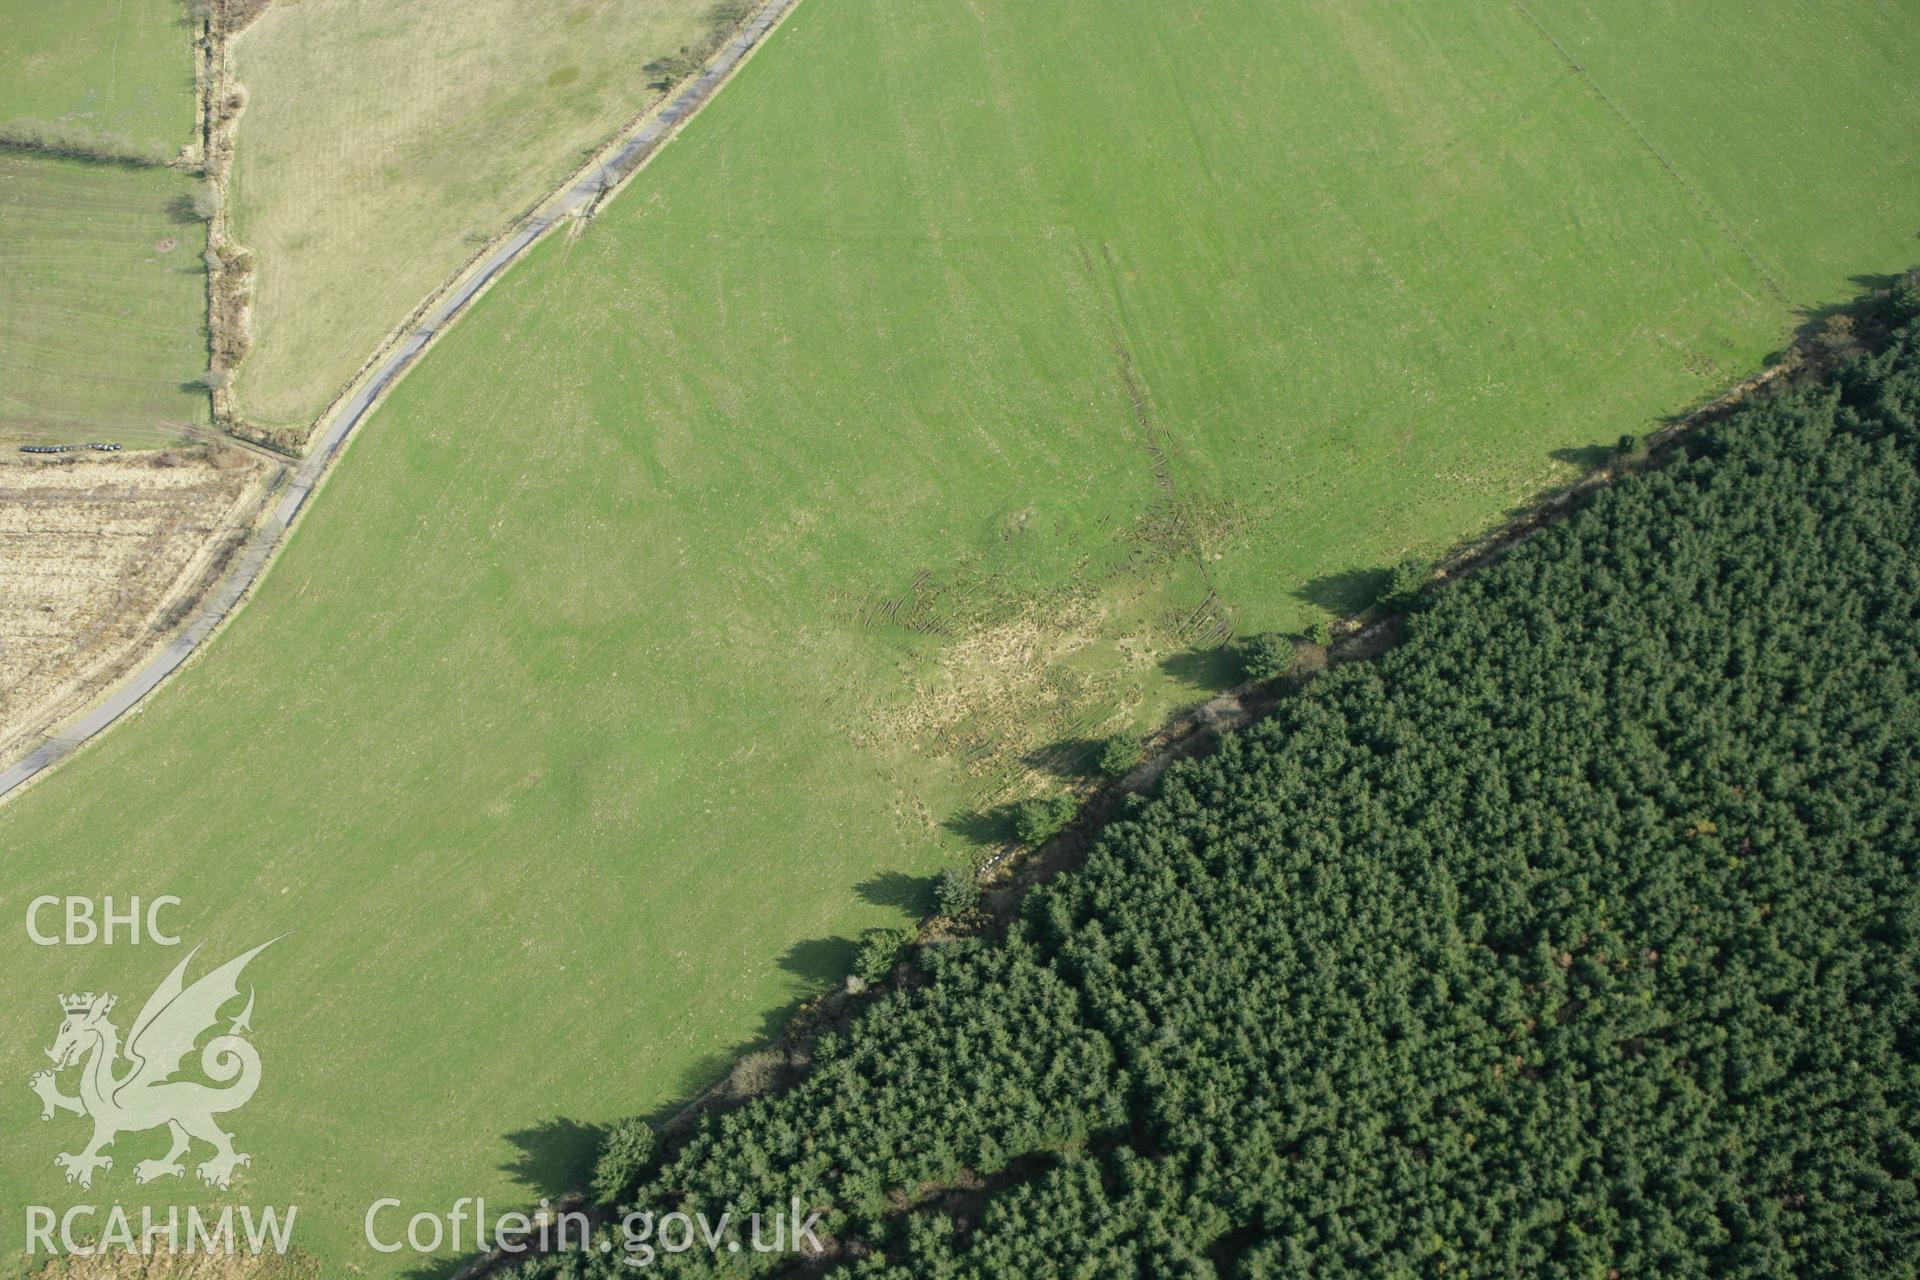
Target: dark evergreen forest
1578	935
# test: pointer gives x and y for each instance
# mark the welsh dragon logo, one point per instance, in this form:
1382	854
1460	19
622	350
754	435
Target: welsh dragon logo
128	1089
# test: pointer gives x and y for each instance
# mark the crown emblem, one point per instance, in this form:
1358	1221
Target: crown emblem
82	1001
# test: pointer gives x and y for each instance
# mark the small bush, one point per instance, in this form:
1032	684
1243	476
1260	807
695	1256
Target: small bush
234	15
1624	447
626	1154
1121	755
879	951
1040	819
755	1073
673	68
1319	632
1410	578
1903	304
958	891
197	205
1267	656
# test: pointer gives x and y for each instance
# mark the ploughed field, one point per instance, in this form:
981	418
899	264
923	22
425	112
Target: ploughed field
930	406
105	527
103	559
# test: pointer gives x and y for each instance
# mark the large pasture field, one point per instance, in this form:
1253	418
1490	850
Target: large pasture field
113	73
383	144
102	303
917	411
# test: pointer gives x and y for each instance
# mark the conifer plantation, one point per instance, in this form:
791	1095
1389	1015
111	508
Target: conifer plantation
1579	935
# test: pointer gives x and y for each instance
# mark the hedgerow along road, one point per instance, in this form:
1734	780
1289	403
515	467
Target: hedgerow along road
597	184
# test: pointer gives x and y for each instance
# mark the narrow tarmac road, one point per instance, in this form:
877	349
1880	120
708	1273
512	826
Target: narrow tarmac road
257	553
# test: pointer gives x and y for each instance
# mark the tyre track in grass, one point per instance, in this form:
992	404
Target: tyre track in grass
582	196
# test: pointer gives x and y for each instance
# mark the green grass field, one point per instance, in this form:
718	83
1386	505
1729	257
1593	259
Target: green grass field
1671	67
112	73
383	144
102	303
915	412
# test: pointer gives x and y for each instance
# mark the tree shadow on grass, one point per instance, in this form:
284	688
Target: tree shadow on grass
1814	320
1348	592
819	961
695	1079
896	889
988	827
1067	759
182	212
817	965
1211	670
554	1155
1586	457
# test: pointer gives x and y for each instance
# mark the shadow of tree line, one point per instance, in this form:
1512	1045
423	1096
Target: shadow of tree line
554	1158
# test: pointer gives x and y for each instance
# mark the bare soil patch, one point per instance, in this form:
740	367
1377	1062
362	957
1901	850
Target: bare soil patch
103	558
